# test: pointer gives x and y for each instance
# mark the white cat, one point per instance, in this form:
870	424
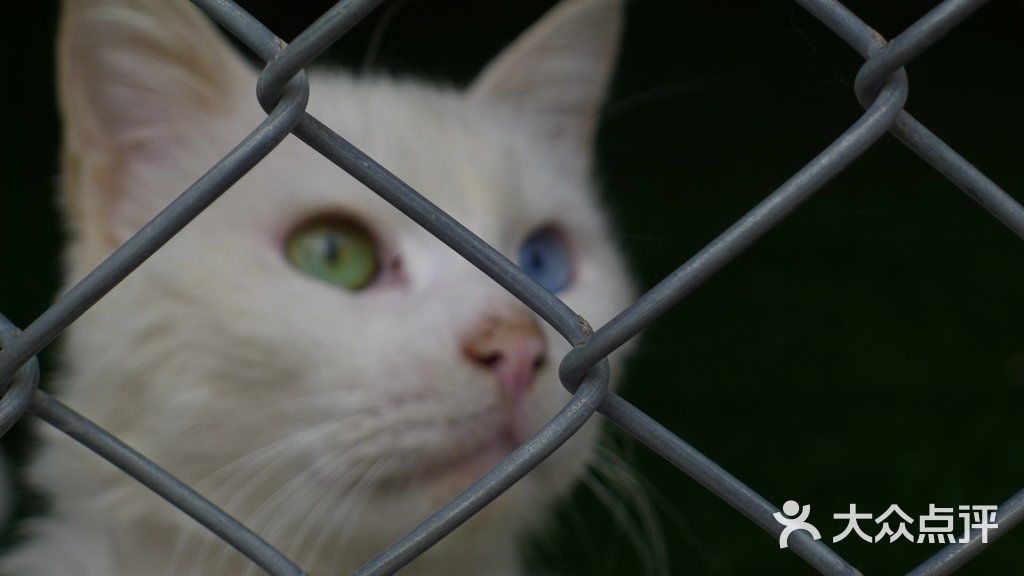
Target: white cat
302	353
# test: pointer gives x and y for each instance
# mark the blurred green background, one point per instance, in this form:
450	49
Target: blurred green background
869	350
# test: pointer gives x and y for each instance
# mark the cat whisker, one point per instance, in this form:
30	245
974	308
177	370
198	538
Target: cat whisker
282	510
625	521
349	507
242	478
258	454
373	48
355	445
359	401
658	505
349	518
185	537
612	480
666	92
355	400
282	504
658	500
330	486
334	496
272	456
268	455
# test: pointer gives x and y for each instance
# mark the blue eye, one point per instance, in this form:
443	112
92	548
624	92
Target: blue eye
545	256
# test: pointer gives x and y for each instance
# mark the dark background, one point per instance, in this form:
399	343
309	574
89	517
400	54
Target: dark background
868	350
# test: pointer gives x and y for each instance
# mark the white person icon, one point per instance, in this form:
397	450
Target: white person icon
788	518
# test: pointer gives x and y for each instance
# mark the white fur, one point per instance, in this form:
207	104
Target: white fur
307	411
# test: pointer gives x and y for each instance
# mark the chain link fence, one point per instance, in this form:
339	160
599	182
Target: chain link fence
881	87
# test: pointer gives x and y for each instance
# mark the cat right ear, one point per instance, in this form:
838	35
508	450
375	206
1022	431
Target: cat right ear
560	67
131	75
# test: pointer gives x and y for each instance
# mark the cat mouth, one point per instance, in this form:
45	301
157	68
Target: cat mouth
475	461
459	468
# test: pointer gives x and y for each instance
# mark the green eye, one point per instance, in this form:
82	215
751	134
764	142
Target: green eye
337	252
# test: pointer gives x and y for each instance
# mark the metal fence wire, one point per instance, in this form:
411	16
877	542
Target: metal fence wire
881	87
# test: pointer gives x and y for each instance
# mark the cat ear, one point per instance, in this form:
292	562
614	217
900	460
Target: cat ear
560	67
133	75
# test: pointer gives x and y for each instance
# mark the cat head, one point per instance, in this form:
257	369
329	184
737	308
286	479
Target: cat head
307	356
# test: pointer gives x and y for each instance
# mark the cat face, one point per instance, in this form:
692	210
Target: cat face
312	360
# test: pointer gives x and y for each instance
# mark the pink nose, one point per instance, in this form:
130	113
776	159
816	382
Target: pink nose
512	347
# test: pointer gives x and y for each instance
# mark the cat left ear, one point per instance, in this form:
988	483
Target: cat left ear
134	76
560	67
